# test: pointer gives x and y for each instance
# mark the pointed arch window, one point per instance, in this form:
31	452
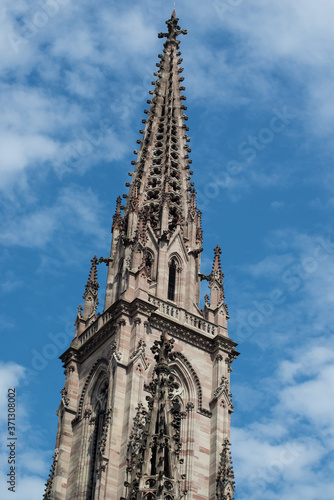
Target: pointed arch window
172	279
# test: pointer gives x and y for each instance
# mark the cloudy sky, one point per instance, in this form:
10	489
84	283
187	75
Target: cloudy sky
259	75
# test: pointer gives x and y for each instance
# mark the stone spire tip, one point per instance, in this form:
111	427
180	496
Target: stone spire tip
117	219
92	283
173	29
216	260
91	290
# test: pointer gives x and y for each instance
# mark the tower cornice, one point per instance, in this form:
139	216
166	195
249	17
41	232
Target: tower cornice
105	326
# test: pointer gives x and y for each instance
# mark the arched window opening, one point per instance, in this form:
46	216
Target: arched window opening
172	279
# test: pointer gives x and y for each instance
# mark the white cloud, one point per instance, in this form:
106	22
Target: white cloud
313	399
9	283
278	454
6	323
309	364
309	384
284	448
28	488
33	125
81	50
271	266
10	376
75	209
89	61
32	461
295	37
277	205
288	295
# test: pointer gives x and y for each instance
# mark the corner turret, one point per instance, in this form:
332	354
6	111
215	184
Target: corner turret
87	314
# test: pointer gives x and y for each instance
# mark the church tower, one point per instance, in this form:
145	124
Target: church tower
145	411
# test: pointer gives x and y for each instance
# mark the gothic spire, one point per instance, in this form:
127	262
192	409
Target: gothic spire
225	476
154	445
173	29
117	219
91	291
160	214
216	261
161	183
216	280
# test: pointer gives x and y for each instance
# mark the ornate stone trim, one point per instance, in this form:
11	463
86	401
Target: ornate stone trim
223	390
186	334
182	357
225	477
103	439
153	453
96	340
99	362
65	399
48	485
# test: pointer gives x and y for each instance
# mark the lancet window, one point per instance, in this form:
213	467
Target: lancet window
172	279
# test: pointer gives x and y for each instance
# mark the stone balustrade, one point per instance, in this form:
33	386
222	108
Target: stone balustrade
181	315
165	307
94	327
200	323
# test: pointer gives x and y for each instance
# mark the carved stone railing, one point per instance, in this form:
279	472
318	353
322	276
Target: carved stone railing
183	316
200	323
89	332
94	327
165	307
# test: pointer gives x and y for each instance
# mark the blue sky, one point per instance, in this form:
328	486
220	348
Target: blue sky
259	83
